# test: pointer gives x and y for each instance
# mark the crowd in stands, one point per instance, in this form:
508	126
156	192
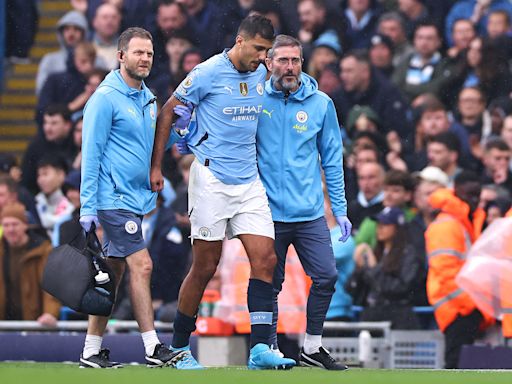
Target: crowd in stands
422	91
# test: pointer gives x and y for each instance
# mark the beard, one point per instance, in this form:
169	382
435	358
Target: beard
286	86
137	75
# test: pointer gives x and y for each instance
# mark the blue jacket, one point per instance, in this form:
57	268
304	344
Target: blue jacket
118	134
296	136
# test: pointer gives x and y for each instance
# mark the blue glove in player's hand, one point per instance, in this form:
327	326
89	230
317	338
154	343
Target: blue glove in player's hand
182	147
345	226
185	114
87	220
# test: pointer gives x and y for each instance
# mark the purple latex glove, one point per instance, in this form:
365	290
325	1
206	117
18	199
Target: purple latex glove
345	226
185	114
182	147
87	220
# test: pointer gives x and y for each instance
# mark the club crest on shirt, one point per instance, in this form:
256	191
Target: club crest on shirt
187	82
301	116
244	89
259	89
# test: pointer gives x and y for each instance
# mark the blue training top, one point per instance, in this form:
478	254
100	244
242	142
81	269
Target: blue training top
227	105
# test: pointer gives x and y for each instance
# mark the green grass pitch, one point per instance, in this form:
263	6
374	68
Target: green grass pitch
54	373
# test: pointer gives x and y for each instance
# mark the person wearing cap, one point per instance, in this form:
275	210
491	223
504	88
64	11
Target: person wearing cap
385	277
457	225
23	255
298	135
381	54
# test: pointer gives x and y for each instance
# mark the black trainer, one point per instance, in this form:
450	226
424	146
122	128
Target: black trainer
101	360
321	359
163	356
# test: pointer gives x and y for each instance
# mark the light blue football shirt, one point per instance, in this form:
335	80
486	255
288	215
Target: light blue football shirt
227	106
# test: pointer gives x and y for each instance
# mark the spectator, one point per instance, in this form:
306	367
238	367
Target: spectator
361	85
433	119
171	17
207	22
496	209
11	192
77	140
386	274
51	203
443	152
67	225
272	11
23	255
463	32
474	117
506	133
106	24
69	87
398	190
325	52
477	11
189	59
370	180
496	160
448	238
71	30
392	24
498	24
381	54
56	139
329	79
315	23
430	179
425	70
491	192
415	13
361	19
94	78
21	19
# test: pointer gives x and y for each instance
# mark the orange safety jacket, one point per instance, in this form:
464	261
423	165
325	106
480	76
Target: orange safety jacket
506	299
448	239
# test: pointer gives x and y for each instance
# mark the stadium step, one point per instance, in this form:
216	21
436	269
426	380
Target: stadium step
18	99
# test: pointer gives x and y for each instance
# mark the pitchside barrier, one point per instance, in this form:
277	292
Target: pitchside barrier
389	348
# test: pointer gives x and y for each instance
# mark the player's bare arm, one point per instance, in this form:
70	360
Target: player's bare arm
163	124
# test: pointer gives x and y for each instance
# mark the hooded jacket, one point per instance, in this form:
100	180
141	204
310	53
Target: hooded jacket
34	301
297	134
56	61
448	239
118	133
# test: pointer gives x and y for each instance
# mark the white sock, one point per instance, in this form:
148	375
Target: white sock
150	340
312	343
92	345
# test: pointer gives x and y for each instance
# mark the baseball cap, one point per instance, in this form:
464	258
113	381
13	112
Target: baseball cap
434	175
390	215
381	39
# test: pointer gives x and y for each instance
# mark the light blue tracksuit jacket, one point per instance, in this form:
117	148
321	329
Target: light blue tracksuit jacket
117	143
297	135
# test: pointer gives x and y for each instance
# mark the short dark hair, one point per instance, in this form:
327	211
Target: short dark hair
256	25
360	55
449	139
130	33
58	109
54	161
496	143
399	178
284	41
428	24
464	177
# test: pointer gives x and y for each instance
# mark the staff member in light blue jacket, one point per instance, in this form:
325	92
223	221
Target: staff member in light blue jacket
298	134
118	133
